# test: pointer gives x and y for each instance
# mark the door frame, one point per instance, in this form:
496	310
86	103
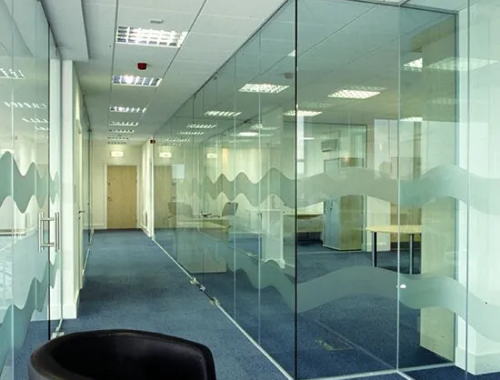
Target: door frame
138	192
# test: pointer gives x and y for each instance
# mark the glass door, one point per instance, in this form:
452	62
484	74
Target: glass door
29	195
55	299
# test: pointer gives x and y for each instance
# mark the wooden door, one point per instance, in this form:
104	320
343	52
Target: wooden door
163	195
122	197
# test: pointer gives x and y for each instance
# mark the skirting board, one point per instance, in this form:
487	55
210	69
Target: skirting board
478	364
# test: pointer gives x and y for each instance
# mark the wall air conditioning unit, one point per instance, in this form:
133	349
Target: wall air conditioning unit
332	145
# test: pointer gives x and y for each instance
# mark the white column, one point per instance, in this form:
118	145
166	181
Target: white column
69	213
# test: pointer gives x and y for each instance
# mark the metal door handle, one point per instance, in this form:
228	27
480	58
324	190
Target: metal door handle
57	235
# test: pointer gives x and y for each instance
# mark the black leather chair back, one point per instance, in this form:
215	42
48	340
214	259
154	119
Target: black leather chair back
121	355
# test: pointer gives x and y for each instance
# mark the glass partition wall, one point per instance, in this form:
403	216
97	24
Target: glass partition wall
331	188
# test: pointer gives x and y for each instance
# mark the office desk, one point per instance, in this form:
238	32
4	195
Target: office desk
410	230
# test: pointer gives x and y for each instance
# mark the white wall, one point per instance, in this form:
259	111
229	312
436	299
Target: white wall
101	158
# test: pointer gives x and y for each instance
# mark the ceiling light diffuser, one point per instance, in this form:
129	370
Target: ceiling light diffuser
118	138
191	133
127	109
124	124
131	80
303	113
356	93
35	120
201	126
11	74
150	37
122	131
41	128
263	88
116	153
165	154
222	113
26	105
461	64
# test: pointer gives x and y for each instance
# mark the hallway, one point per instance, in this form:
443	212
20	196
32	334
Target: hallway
130	283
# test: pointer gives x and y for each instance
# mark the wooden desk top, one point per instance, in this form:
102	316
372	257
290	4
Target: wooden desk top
394	229
304	215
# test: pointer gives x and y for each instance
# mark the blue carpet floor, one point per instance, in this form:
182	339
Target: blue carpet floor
132	284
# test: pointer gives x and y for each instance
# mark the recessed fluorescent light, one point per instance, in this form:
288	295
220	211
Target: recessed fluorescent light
261	127
41	128
26	105
263	88
461	64
150	37
303	113
35	120
416	65
124	123
117	142
191	133
202	126
307	138
118	138
356	93
122	131
116	153
413	118
211	155
11	74
248	134
127	109
131	80
165	154
176	139
444	101
222	113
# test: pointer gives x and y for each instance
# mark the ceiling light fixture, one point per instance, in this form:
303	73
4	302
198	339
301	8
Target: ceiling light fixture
41	128
127	109
176	140
416	119
11	74
122	131
131	80
222	113
261	127
124	124
201	126
165	154
461	64
248	134
303	113
117	142
26	105
150	37
191	133
35	120
263	88
357	93
118	138
116	153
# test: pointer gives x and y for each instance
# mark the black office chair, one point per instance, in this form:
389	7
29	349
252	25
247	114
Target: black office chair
121	355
